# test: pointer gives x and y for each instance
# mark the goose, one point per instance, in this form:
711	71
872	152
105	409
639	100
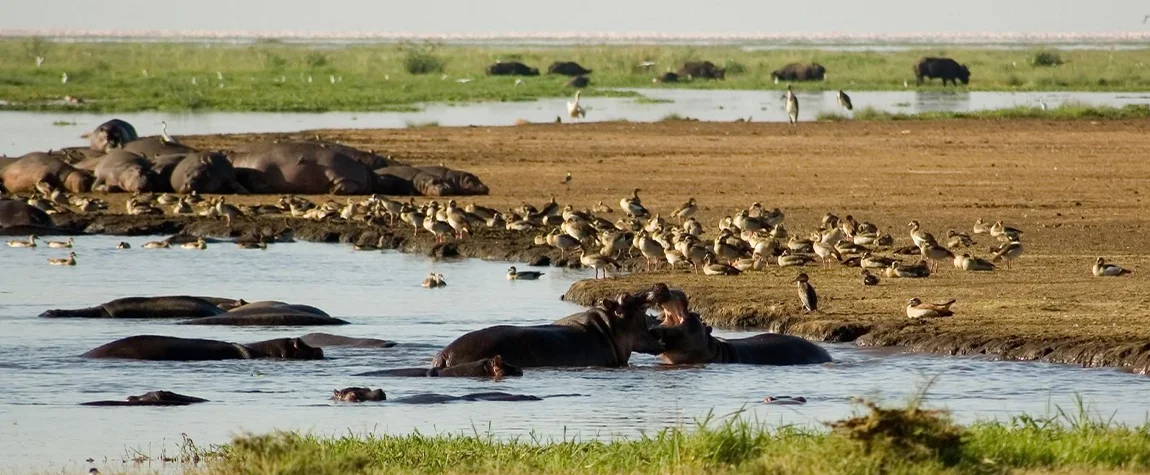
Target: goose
674	256
786	259
199	244
974	264
514	274
916	309
650	248
633	205
61	244
724	249
31	242
800	245
349	211
164	137
574	110
933	252
807	295
917	235
182	207
157	245
687	210
123	245
562	241
713	268
830	221
438	228
824	251
597	261
792	106
779	232
1009	251
957	239
697	255
68	261
980	227
918	270
691	226
228	211
168	199
601	208
431	281
869	279
756	262
1102	269
875	262
1004	233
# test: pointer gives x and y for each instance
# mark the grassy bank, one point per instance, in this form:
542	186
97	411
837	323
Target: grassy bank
273	76
879	440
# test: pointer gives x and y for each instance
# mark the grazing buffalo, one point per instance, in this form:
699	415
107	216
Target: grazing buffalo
168	348
601	336
494	368
511	68
688	341
668	77
800	72
111	135
567	68
702	70
944	68
172	306
153	398
23	173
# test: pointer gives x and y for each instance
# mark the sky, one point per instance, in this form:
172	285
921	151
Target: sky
683	17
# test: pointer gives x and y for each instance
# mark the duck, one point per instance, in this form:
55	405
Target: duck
896	270
61	244
228	211
157	245
31	242
633	205
1004	233
1102	269
431	281
807	295
916	309
514	274
869	279
574	110
711	267
786	259
439	281
123	245
68	261
199	244
687	210
974	264
980	227
182	207
1009	252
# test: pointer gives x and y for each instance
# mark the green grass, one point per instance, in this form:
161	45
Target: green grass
1068	111
877	440
272	76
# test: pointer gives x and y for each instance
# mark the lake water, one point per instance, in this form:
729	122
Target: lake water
43	427
32	131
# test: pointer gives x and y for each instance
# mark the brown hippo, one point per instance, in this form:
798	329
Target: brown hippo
494	368
511	68
702	70
358	394
153	398
427	181
432	398
171	306
24	173
601	336
323	340
270	313
301	168
944	68
567	68
111	135
18	214
688	341
169	348
202	172
800	72
124	171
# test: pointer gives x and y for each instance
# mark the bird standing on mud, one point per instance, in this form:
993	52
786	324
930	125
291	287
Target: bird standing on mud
792	105
566	180
807	294
845	100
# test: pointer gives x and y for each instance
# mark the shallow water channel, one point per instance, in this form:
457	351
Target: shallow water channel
31	131
44	380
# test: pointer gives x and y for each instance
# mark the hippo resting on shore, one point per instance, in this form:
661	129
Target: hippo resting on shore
124	171
19	214
269	313
601	336
688	341
111	135
428	181
168	348
494	368
153	398
25	172
172	306
300	168
800	72
202	172
945	68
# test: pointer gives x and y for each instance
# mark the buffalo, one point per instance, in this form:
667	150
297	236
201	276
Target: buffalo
800	72
944	68
702	70
513	68
567	68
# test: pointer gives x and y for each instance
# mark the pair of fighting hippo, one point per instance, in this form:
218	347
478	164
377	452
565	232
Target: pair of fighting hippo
204	311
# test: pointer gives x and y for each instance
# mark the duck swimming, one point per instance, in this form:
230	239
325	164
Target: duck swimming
31	242
68	261
513	274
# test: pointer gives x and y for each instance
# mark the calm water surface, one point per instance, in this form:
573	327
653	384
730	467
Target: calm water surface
41	425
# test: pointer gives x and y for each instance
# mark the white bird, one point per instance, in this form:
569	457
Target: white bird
219	76
905	84
1042	105
574	110
331	78
193	80
145	73
164	137
443	77
309	79
776	79
519	82
463	80
386	77
39	61
647	64
64	78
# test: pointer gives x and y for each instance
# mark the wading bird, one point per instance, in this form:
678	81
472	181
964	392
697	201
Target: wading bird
845	100
574	110
792	106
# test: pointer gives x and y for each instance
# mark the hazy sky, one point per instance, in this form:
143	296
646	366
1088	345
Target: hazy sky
586	16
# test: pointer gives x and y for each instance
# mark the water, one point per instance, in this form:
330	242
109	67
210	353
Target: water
41	425
31	131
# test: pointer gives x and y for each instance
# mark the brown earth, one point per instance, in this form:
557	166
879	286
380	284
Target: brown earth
1075	187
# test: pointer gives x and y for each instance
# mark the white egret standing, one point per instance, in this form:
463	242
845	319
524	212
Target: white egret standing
64	78
39	61
164	137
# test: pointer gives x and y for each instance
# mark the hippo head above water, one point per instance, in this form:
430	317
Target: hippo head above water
289	348
683	335
358	394
628	314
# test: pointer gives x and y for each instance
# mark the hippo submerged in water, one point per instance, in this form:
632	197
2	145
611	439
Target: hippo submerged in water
321	340
494	368
270	313
601	336
154	398
688	341
168	348
204	311
361	394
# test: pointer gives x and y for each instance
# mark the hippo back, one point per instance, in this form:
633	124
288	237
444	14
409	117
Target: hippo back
14	213
300	167
23	174
203	172
125	171
153	146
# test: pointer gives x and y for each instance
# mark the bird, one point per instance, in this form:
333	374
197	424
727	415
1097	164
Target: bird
157	245
1004	233
219	75
651	64
1009	251
687	210
463	80
807	294
39	61
574	110
980	227
971	263
868	278
64	261
31	242
331	78
439	282
193	80
61	244
514	274
792	106
199	244
64	78
845	100
717	268
228	211
567	180
1145	18
123	245
916	309
597	261
164	137
430	282
1102	269
519	82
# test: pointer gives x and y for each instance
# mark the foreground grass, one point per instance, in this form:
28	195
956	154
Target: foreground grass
274	77
883	440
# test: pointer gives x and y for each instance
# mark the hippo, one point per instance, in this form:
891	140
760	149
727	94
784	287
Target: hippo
358	394
702	70
154	146
124	171
171	306
688	341
19	214
270	313
494	368
153	398
800	72
601	336
111	135
323	340
169	348
511	68
25	172
427	181
202	172
300	168
567	68
579	82
944	68
432	398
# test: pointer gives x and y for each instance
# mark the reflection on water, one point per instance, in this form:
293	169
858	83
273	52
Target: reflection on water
379	292
31	131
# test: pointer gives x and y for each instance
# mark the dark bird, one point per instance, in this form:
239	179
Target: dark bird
792	105
566	180
807	294
868	278
845	100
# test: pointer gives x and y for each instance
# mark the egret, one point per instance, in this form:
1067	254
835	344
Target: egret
332	78
309	79
193	80
39	61
463	80
219	75
164	137
64	78
145	73
518	82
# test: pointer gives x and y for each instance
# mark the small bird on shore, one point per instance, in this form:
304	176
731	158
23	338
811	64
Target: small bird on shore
515	274
597	261
807	295
567	181
917	309
1102	269
68	261
869	279
845	100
